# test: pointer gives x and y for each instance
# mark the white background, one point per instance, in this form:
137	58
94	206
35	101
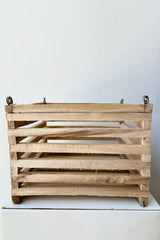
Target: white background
79	51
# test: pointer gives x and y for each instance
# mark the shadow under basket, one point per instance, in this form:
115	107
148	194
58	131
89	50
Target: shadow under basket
80	149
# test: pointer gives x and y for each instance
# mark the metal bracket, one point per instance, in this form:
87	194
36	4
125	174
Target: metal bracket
9	100
122	101
146	99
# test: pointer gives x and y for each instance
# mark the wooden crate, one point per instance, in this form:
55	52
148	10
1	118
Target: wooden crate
80	149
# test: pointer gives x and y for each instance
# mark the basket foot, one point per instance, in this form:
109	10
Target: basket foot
143	201
16	199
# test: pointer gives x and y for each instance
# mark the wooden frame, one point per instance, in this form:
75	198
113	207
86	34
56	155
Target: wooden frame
51	154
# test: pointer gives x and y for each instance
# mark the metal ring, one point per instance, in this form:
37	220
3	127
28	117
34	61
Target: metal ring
44	100
122	101
146	99
9	100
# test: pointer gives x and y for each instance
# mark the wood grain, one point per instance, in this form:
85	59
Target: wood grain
81	148
82	107
78	117
87	178
67	132
82	162
108	191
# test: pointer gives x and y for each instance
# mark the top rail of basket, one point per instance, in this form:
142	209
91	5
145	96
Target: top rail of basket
80	107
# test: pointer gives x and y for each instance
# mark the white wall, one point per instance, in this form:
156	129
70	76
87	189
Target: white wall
79	51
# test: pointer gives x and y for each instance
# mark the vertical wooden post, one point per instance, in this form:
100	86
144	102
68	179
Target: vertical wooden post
13	155
145	158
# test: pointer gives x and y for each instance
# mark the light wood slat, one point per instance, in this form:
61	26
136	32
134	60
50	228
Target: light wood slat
81	148
86	164
85	117
145	158
146	142
81	178
13	155
109	191
80	132
82	107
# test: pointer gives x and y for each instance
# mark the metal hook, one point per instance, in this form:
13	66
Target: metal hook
9	100
44	100
122	101
146	99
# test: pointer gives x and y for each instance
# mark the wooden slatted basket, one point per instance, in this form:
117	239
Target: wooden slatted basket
80	149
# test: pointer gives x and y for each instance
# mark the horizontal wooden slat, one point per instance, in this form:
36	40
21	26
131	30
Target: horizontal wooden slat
82	107
81	148
85	117
85	163
80	132
110	191
81	178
